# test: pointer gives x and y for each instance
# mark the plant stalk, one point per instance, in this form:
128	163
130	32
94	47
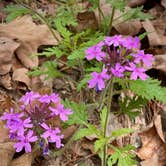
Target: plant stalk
109	99
111	21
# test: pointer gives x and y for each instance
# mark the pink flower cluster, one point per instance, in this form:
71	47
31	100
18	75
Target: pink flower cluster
121	57
30	124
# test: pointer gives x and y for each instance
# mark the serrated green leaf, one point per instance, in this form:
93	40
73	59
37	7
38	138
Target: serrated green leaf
85	132
118	4
15	11
79	115
120	132
77	54
54	51
103	115
99	144
148	89
129	105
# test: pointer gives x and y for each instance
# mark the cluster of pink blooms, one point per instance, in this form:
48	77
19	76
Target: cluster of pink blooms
30	124
121	57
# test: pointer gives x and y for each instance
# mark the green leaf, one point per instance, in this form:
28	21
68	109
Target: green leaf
103	115
86	132
79	115
54	51
135	13
99	144
148	89
78	53
118	4
83	82
129	105
15	11
120	132
122	156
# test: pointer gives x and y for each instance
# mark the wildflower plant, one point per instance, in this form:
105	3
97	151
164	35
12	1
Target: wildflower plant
30	124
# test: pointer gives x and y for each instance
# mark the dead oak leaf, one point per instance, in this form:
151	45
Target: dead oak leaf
151	145
30	36
7	48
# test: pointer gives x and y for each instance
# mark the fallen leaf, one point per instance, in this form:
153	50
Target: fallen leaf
153	161
129	27
6	153
30	36
153	37
134	3
20	75
6	81
7	48
68	132
160	62
163	3
4	136
23	160
159	123
151	145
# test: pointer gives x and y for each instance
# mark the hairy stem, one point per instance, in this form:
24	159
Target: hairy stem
109	99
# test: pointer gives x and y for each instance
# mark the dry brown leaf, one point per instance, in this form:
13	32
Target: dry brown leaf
134	3
30	36
163	3
6	81
24	160
4	136
20	75
159	126
155	37
6	153
86	20
160	62
68	132
153	161
7	48
129	27
151	145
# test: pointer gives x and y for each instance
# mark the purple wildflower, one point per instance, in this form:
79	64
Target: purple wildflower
20	125
52	135
118	70
95	52
29	97
25	142
61	111
131	42
98	79
44	99
115	40
147	59
136	72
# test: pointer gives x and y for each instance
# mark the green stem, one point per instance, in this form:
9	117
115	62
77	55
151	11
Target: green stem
42	18
109	99
111	21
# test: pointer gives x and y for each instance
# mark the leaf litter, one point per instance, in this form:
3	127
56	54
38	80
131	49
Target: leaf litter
20	39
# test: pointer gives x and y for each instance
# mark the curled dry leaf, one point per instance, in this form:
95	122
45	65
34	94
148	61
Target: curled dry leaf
153	161
155	35
134	3
68	132
163	3
24	160
6	81
20	75
30	36
159	122
160	63
6	153
151	145
7	48
129	27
